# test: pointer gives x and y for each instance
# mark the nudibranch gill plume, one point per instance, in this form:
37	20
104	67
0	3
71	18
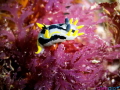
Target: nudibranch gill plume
56	33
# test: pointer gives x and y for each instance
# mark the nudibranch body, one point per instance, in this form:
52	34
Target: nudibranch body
55	33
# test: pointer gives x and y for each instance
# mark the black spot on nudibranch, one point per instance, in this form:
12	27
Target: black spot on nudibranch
73	31
43	30
54	26
61	24
43	41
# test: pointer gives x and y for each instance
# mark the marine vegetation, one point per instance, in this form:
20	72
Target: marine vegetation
86	62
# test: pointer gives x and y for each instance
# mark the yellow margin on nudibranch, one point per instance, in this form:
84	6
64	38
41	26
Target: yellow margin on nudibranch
54	33
75	23
70	33
40	25
71	20
79	27
79	34
47	34
39	48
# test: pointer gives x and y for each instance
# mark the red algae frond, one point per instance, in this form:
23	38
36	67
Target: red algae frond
81	64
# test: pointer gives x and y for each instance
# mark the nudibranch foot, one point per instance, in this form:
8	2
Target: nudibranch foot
40	48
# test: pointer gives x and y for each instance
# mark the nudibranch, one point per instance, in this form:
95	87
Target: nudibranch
56	33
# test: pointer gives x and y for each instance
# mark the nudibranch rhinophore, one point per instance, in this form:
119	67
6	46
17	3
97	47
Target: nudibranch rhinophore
55	33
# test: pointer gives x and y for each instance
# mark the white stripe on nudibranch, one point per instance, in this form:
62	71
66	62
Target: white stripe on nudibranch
56	33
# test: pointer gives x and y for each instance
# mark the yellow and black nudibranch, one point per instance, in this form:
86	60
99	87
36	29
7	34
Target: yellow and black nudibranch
55	33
